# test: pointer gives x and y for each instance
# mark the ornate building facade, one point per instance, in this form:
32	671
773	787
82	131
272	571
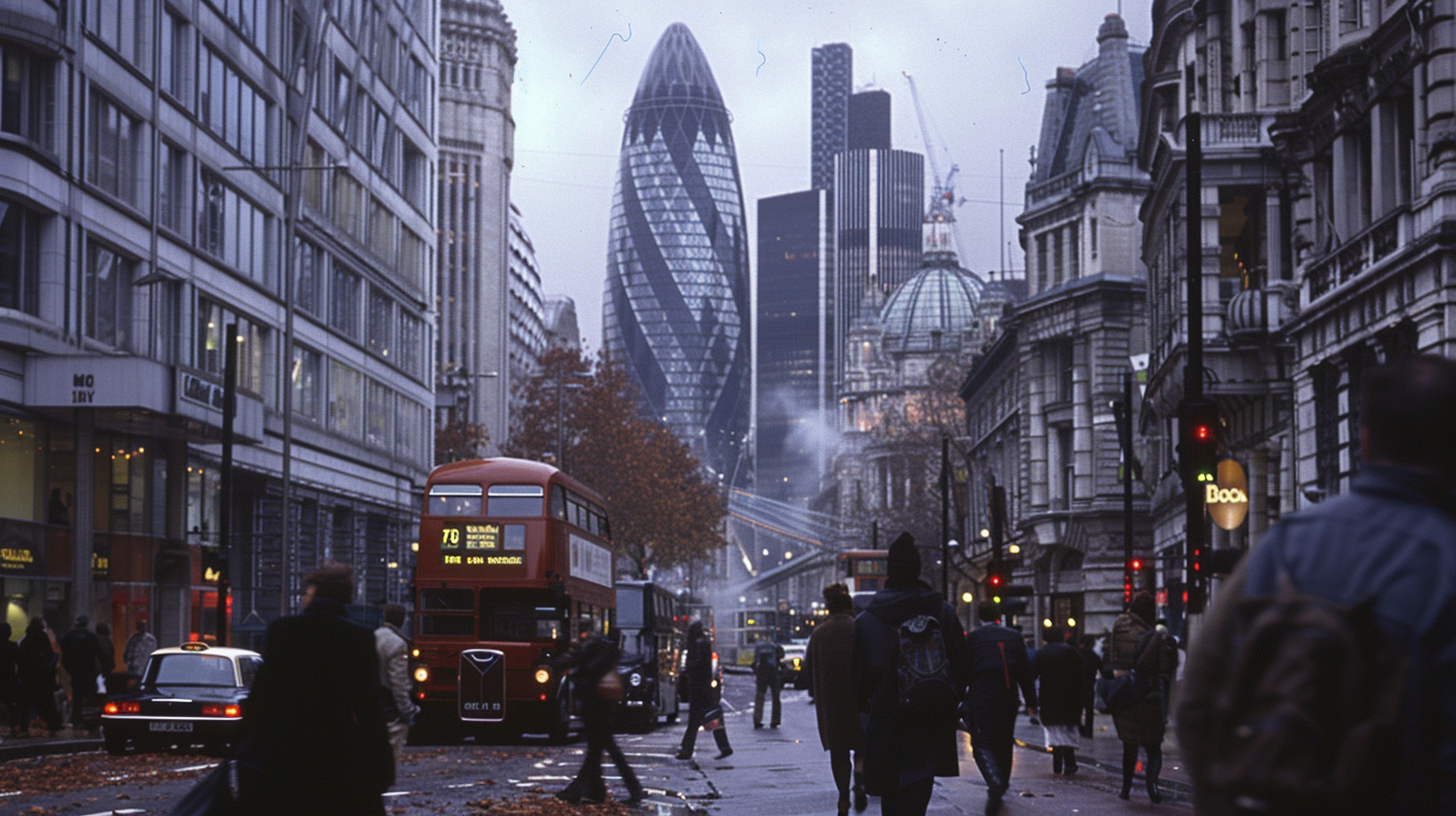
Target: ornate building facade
676	306
475	293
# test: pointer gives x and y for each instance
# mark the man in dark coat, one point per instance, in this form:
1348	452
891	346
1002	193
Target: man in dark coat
314	735
903	757
999	667
1060	694
81	658
587	665
1390	539
1135	645
38	675
10	680
768	658
1091	668
829	663
702	697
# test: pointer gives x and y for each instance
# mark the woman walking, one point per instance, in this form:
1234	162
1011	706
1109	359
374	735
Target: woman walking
702	696
593	669
38	676
829	660
1059	670
1135	645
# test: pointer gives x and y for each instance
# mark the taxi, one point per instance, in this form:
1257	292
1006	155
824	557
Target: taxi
189	695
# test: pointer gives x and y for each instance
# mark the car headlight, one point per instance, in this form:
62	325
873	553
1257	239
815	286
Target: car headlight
543	676
422	674
635	679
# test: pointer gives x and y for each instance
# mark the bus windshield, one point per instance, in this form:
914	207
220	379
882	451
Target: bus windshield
519	614
630	610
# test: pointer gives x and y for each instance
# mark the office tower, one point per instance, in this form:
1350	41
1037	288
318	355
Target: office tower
675	310
473	359
160	186
869	121
879	200
833	71
527	311
560	320
796	348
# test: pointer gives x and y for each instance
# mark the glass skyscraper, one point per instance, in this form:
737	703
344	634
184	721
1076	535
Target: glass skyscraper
676	307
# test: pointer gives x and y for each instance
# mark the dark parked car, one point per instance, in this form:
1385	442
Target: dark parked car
189	695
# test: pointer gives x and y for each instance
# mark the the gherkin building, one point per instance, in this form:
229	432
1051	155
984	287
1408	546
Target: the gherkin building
676	308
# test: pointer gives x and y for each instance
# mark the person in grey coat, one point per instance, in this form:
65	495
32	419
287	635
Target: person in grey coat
903	757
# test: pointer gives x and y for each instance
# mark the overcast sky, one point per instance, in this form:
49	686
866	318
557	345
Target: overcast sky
981	69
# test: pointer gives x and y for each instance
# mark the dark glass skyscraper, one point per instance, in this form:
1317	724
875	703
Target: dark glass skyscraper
869	121
796	347
676	308
831	78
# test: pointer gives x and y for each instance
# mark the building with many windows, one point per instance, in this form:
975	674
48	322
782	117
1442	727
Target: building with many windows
475	292
527	313
676	307
166	168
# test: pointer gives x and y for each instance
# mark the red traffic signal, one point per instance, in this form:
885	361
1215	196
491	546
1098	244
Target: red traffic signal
1136	565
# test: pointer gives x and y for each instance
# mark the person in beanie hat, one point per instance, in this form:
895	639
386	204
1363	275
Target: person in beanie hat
903	757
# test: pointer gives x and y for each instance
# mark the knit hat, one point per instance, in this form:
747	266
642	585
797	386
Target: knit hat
903	563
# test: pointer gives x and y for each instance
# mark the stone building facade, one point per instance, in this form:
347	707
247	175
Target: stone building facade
474	295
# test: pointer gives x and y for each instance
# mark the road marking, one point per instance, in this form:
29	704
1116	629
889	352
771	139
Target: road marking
121	812
400	793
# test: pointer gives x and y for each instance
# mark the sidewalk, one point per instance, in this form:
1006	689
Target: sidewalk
1104	750
40	743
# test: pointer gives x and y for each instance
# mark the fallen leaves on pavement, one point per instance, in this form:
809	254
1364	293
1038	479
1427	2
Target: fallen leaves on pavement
56	774
547	806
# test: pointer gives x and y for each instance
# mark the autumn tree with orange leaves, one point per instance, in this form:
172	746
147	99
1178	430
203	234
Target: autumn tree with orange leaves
585	419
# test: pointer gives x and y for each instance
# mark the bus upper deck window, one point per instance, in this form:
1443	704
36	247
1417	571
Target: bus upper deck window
515	500
558	502
454	500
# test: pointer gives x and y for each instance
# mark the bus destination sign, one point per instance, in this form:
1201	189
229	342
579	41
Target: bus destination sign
475	545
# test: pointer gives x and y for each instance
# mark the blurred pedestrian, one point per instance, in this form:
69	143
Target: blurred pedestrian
1061	693
910	730
768	658
38	676
139	648
1091	668
81	658
393	650
1379	558
107	654
10	680
314	736
703	698
829	662
1135	645
1000	669
592	667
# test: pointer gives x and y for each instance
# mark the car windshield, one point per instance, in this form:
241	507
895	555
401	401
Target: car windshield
192	670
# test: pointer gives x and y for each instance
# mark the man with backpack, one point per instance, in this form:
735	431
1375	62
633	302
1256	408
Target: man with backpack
910	671
1322	680
999	668
768	676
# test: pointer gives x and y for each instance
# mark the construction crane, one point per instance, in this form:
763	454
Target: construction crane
942	198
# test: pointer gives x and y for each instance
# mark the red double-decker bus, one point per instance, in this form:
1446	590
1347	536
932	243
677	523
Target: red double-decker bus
514	563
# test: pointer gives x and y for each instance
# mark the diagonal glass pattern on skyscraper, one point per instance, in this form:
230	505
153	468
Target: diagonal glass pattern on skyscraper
676	303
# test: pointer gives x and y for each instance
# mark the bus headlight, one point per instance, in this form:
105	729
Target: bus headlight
422	674
635	679
543	676
415	653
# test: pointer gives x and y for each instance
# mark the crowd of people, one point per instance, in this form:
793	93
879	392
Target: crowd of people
46	680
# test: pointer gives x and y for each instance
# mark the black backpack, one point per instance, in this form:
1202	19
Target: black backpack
1304	713
765	661
923	667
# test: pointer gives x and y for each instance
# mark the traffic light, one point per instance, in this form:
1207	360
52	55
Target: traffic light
1131	578
1198	442
995	579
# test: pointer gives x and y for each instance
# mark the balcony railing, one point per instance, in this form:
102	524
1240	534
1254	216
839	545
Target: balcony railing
1355	256
1231	130
1054	186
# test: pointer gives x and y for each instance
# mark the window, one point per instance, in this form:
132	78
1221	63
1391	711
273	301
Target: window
251	16
515	500
383	230
256	361
1042	278
114	157
1092	237
123	25
381	322
1074	251
416	175
349	204
409	342
108	297
208	339
1326	378
346	400
172	73
315	186
19	258
233	109
454	500
409	430
173	193
339	108
233	229
313	265
307	377
412	265
378	415
27	95
1062	368
510	614
344	302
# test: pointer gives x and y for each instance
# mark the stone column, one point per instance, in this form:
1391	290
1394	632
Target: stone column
1258	494
84	515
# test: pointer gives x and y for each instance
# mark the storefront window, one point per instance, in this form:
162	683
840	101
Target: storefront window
203	491
18	448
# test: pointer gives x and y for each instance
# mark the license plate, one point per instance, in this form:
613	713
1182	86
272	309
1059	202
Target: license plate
171	727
